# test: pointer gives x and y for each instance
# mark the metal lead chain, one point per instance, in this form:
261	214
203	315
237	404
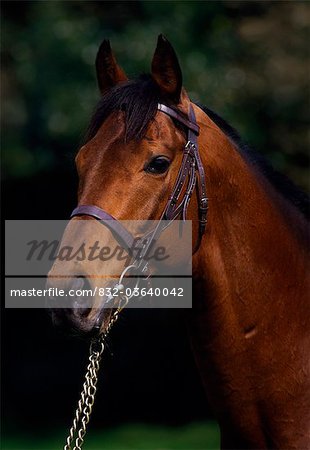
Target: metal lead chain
83	411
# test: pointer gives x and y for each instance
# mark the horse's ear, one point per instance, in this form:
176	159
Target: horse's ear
109	73
166	70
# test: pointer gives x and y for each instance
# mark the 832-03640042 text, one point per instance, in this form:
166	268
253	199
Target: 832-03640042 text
98	291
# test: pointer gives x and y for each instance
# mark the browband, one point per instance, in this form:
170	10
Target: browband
172	113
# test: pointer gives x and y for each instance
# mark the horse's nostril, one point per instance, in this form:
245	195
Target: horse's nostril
81	295
78	283
71	310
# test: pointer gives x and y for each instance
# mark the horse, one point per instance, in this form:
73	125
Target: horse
249	325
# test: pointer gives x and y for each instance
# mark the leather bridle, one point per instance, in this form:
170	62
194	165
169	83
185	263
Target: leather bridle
191	170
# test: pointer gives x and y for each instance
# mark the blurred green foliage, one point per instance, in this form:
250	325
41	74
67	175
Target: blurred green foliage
197	436
249	61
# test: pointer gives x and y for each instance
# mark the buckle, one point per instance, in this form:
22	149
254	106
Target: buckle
190	148
203	204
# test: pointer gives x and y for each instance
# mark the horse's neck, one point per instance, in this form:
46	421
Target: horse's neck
249	319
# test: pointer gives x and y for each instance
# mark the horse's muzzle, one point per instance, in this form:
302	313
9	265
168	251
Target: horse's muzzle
71	311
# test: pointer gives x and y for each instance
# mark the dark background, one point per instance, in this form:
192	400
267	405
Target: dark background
249	61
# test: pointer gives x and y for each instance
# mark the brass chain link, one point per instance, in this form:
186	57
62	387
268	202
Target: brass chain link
82	414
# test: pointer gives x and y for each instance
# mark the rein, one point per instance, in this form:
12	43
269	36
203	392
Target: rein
85	405
192	172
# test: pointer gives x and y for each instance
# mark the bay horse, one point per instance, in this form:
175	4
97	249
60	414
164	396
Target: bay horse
250	324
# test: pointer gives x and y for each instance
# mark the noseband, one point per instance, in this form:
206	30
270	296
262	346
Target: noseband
191	170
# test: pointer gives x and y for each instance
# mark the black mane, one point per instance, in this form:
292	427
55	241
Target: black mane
139	99
280	182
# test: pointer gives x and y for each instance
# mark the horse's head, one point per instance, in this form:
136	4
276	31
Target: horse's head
127	167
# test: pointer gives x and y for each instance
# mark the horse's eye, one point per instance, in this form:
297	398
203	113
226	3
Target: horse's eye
157	165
